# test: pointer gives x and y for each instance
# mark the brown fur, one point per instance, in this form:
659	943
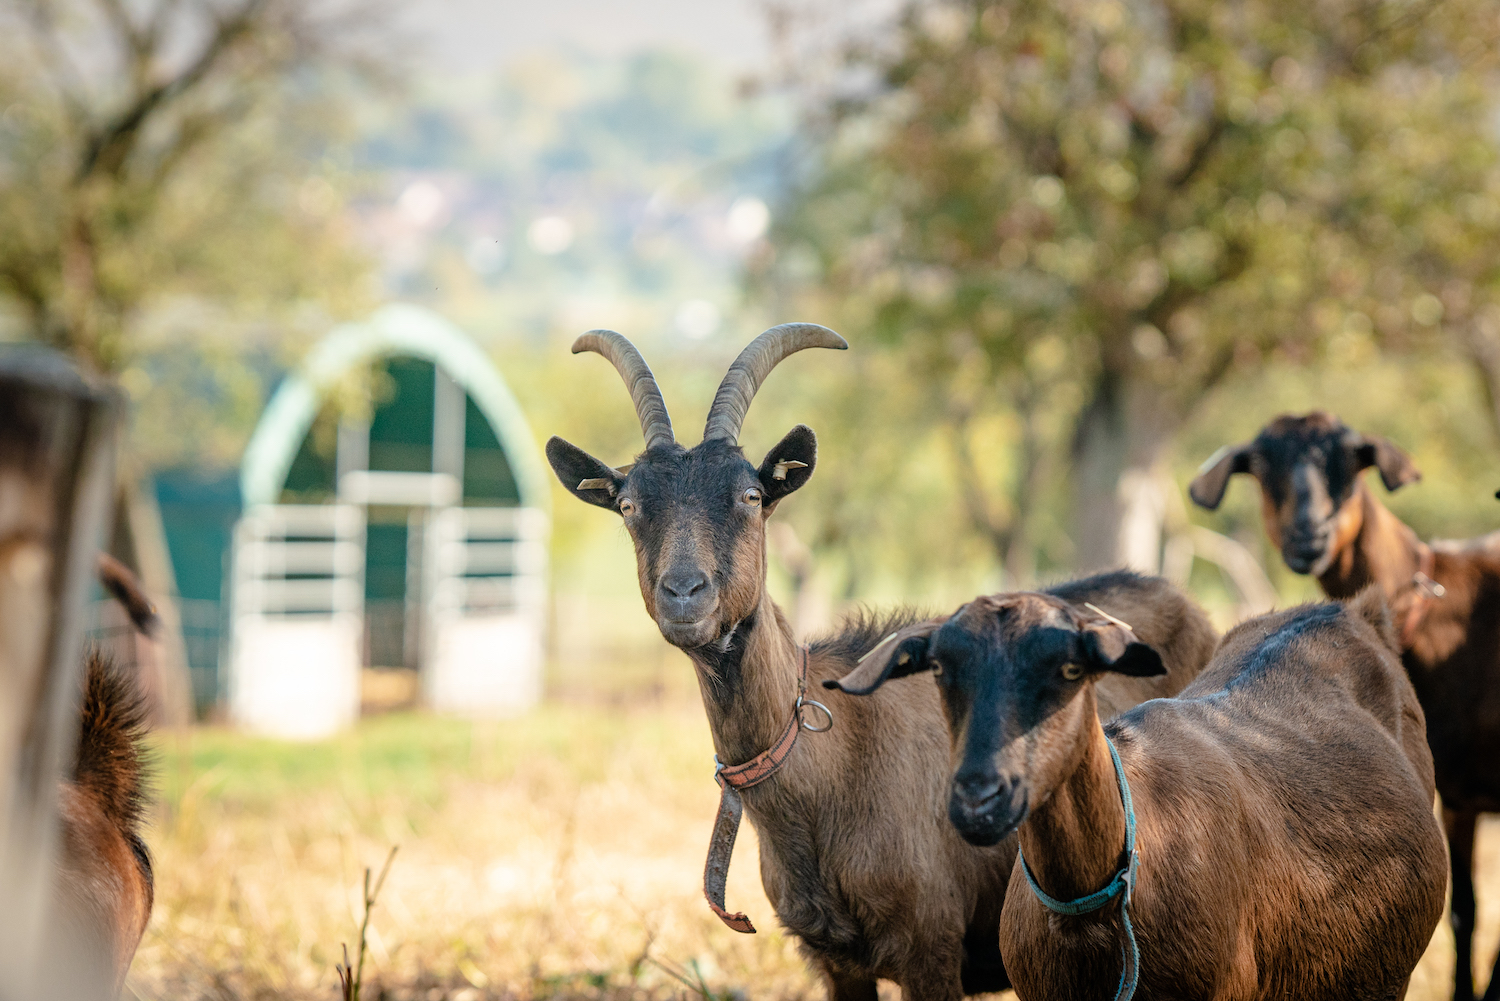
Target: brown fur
1453	658
1287	845
105	877
125	588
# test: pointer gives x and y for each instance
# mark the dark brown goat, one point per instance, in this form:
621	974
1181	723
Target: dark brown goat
1445	597
870	887
1283	801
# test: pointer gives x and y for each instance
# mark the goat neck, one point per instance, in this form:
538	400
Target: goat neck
749	687
1074	839
1378	548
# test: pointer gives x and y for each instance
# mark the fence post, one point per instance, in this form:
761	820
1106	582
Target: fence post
57	444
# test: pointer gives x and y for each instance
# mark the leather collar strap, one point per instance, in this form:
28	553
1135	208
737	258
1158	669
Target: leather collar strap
1423	590
731	779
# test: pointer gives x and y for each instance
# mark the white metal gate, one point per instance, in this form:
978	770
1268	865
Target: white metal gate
485	591
298	603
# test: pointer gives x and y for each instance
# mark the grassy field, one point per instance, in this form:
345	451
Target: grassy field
554	856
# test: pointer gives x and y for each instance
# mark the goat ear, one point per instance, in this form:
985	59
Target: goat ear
1370	605
1207	488
1110	645
1396	467
901	653
788	465
584	476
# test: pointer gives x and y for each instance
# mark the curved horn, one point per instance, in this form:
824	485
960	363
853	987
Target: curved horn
750	369
644	393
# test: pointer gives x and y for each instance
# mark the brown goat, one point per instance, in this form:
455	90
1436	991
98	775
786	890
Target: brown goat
105	884
854	853
105	881
1282	802
1446	600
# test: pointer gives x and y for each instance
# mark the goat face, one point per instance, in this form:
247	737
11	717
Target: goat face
697	518
1012	670
1308	468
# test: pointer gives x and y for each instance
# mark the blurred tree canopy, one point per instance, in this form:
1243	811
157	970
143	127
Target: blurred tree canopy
1074	220
166	148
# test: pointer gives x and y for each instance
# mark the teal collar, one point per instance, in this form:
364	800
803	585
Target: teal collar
1120	886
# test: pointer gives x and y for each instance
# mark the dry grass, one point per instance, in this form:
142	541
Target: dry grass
556	856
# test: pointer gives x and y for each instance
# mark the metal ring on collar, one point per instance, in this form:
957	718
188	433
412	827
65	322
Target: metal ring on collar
828	715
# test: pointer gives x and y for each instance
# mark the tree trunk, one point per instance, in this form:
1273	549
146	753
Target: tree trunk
1483	346
1118	448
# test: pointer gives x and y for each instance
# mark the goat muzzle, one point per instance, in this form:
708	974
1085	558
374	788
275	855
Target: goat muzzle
984	812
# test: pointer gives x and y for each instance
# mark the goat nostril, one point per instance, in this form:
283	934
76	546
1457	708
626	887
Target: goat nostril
684	585
978	790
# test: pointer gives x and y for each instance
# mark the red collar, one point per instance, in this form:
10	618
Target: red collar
768	762
733	778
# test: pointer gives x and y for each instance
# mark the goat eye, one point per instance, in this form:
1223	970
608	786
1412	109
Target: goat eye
627	506
752	496
1072	672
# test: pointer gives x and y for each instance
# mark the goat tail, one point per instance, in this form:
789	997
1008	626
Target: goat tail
1371	605
111	763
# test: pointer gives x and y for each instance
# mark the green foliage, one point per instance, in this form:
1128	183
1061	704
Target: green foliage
160	152
1090	214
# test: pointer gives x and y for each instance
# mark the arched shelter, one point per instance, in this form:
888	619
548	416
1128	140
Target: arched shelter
396	512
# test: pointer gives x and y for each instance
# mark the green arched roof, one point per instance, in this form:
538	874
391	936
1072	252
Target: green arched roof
393	330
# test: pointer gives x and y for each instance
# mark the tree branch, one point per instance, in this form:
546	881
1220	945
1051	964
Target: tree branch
1216	128
65	76
107	151
134	39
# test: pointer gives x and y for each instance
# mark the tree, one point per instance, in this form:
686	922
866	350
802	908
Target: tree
1090	213
160	148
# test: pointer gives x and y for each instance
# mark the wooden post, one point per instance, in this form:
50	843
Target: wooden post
57	444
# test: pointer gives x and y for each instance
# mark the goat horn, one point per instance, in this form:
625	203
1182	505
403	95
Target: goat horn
644	393
750	369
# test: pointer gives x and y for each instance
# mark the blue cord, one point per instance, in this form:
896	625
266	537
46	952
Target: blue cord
1120	886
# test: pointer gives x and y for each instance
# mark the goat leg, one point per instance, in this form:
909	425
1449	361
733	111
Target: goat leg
844	986
1459	827
1492	992
937	976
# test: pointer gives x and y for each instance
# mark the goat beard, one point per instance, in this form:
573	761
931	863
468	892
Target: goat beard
722	643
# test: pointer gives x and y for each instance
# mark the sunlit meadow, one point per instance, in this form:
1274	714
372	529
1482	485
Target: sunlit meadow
558	855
